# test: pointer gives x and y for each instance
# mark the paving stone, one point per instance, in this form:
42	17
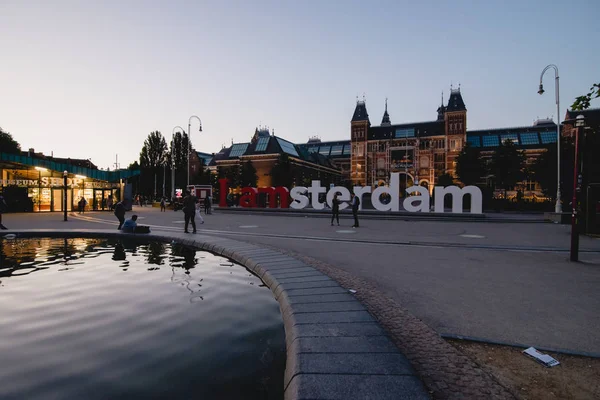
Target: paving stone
321	298
338	330
295	273
376	387
309	285
313	291
306	279
328	307
344	344
355	364
329	317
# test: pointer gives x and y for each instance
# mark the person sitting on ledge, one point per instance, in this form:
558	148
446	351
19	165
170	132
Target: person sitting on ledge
130	224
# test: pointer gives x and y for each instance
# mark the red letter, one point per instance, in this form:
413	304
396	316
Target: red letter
223	189
248	199
284	196
271	193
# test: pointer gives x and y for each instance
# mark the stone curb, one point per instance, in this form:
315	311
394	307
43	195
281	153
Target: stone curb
335	348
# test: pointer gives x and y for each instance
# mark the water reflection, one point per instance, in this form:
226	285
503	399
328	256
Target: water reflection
23	257
122	319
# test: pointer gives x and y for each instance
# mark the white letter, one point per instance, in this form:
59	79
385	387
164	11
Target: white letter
343	197
392	190
314	192
44	181
358	192
422	197
457	203
300	201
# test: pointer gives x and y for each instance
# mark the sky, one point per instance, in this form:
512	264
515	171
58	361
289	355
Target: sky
88	79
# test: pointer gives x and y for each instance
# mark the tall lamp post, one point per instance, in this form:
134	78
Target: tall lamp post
558	207
173	161
577	180
65	173
190	144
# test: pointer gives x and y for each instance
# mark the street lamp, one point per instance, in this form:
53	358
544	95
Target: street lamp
558	207
65	173
577	180
173	161
190	144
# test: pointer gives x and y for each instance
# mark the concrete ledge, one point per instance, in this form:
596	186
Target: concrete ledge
335	348
558	218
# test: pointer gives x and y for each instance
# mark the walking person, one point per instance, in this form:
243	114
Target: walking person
163	204
207	205
189	211
120	213
109	202
355	204
3	209
335	209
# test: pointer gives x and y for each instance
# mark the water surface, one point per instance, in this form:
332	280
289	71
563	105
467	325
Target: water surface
98	319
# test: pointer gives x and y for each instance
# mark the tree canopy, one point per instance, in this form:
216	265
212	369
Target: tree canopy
445	180
154	151
248	175
507	165
8	144
281	172
470	167
583	102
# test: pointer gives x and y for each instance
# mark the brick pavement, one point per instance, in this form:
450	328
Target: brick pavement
447	373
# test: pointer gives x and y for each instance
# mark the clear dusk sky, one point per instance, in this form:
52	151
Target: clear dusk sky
91	79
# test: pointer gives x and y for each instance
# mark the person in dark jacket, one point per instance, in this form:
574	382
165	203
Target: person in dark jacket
3	208
355	204
207	205
335	209
189	211
120	213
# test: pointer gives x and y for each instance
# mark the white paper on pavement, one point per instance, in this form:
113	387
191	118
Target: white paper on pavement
544	359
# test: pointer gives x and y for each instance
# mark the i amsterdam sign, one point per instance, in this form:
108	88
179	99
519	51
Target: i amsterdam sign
57	182
420	202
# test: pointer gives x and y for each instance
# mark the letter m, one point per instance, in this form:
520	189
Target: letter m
457	195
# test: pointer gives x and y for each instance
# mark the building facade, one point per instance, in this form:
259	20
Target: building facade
423	151
33	182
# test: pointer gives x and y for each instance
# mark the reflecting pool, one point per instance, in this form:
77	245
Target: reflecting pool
106	319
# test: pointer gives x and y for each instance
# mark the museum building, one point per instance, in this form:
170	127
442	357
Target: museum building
33	182
422	151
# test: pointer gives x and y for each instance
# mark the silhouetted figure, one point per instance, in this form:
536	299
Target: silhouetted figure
163	204
335	210
120	213
189	211
355	204
207	205
3	209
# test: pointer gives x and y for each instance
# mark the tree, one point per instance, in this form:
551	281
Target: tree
248	175
583	102
281	172
152	158
154	151
178	147
8	144
470	167
134	165
507	165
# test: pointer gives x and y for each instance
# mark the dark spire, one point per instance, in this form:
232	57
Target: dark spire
456	103
385	121
360	112
441	109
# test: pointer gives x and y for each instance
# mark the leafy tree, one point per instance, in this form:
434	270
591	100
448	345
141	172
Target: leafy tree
583	102
154	151
281	172
445	180
231	173
152	158
8	144
507	165
470	167
248	175
134	165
